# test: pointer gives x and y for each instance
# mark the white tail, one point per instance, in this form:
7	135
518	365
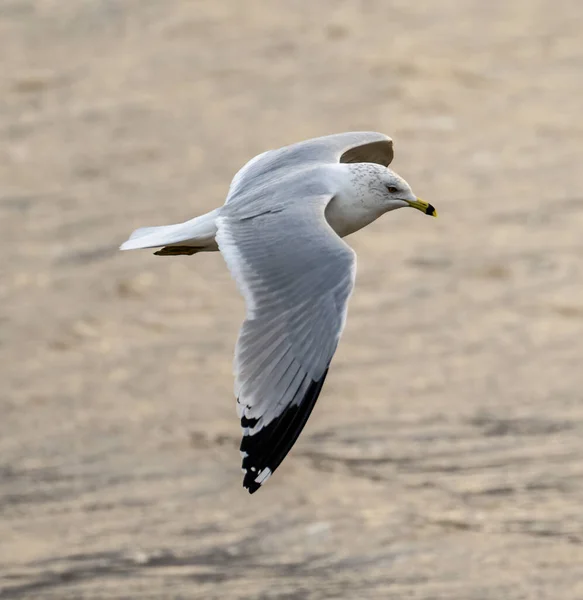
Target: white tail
199	232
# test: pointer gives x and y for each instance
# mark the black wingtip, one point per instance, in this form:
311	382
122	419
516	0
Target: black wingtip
245	422
249	482
264	451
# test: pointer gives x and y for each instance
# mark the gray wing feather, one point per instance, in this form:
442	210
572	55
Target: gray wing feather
358	146
296	284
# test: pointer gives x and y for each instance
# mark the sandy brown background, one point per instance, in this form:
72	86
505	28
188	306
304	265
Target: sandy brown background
445	456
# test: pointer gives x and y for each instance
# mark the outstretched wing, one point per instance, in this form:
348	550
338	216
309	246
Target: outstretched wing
296	276
352	147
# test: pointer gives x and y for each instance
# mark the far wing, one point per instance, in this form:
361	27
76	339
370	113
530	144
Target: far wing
352	147
356	146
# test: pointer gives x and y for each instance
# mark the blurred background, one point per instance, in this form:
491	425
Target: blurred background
444	458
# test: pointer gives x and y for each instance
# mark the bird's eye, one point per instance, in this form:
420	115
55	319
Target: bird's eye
392	189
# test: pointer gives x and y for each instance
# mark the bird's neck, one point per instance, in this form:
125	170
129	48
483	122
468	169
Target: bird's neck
355	205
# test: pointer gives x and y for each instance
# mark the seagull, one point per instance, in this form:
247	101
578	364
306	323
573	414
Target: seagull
280	232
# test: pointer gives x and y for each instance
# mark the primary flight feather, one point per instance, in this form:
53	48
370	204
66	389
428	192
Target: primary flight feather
280	232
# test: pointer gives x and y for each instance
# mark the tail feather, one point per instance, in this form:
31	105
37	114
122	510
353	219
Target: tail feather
197	233
153	237
144	231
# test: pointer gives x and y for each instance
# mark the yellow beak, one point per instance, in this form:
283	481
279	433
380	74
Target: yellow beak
423	206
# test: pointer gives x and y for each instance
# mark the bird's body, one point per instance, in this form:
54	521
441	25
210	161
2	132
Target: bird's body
279	232
352	207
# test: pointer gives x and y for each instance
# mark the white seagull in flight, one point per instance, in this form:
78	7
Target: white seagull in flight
280	232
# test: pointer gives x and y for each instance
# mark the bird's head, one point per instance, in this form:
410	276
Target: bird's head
397	193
